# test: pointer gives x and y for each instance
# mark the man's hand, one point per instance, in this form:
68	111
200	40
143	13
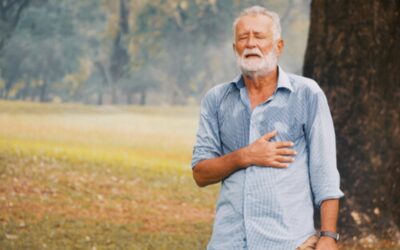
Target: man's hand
326	243
262	152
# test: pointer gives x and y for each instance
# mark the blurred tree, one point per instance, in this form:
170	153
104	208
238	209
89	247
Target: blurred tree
175	49
120	56
10	13
354	54
44	48
98	28
183	31
145	50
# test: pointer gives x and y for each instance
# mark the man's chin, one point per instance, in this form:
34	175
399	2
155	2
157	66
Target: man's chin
254	62
251	67
252	72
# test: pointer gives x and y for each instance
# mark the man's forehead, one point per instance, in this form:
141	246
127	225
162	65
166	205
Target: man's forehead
257	23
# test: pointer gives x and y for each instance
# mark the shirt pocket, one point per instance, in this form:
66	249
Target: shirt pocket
291	132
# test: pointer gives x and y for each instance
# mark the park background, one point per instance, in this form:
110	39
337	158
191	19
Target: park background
99	110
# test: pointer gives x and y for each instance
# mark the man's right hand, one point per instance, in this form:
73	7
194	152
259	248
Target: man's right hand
262	152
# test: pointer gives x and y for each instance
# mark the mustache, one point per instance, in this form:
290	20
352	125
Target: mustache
254	51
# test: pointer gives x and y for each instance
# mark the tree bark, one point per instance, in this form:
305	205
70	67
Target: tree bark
100	98
120	56
43	91
143	96
106	81
353	52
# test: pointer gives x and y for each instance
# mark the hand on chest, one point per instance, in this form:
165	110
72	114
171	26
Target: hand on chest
239	127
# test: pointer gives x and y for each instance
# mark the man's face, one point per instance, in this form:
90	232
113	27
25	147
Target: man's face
254	45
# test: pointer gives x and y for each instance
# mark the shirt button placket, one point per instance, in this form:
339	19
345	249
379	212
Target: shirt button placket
247	188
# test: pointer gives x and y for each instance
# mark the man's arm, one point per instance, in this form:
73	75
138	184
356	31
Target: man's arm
324	176
321	146
262	152
329	216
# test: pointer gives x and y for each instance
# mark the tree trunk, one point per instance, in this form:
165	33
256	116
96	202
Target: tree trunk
106	81
120	56
143	95
26	90
100	98
353	52
8	86
113	90
43	91
129	97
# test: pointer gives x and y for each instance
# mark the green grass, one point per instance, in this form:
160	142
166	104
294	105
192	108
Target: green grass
83	177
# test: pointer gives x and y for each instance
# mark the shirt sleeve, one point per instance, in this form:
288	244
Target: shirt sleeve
320	133
208	144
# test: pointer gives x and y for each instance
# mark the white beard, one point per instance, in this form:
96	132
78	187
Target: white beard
261	66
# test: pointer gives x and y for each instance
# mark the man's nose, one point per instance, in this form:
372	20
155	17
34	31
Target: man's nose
251	42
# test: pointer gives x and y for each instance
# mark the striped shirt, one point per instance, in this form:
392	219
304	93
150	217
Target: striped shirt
263	207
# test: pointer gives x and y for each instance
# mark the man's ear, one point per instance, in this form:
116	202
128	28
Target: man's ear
279	47
234	48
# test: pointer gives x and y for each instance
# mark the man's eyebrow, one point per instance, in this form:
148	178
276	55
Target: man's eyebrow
254	32
243	33
260	32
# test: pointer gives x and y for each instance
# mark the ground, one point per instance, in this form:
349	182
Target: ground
76	177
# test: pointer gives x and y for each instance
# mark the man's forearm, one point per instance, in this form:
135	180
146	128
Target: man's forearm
214	170
329	215
261	153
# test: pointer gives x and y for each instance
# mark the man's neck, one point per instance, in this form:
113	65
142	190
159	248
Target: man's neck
260	87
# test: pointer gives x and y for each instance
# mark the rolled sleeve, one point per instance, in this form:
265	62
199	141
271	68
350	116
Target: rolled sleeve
208	144
324	176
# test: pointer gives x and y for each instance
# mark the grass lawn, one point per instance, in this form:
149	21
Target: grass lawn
78	177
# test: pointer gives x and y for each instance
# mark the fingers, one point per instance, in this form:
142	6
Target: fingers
270	135
283	144
282	162
284	151
284	159
277	164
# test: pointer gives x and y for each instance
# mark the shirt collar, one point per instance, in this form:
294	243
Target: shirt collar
283	80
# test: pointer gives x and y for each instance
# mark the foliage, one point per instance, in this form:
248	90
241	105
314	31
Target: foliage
10	13
120	51
43	49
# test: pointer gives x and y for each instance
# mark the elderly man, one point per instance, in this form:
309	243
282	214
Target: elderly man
268	137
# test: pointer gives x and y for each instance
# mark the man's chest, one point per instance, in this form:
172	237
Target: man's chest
239	126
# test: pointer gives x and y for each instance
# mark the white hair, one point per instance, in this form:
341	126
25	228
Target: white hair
258	10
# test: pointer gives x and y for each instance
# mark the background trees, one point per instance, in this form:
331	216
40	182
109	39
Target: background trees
10	13
41	52
354	54
156	52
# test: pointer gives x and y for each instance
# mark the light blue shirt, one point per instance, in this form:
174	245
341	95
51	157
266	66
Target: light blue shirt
263	207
